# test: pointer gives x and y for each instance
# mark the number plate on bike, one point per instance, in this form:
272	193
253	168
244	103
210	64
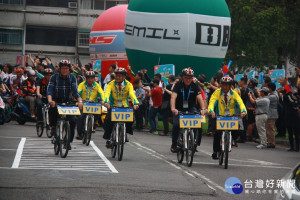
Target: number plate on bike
68	110
227	123
92	108
190	121
121	115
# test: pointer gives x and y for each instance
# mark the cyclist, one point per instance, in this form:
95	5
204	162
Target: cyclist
16	82
60	89
29	90
117	94
41	92
184	98
224	101
89	90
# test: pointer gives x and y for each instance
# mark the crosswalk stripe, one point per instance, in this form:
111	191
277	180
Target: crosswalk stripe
38	154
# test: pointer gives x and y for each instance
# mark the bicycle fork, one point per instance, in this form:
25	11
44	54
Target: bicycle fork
223	140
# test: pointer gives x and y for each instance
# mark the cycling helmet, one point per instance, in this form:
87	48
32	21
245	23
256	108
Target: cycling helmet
254	81
31	73
48	71
187	72
64	63
21	71
120	70
226	79
89	74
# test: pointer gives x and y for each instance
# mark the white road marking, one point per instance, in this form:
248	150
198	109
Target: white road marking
37	153
111	167
185	170
19	153
241	165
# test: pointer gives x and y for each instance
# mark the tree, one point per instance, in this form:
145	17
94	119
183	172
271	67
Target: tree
264	32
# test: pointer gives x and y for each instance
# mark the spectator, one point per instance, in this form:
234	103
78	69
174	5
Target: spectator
156	94
244	95
165	108
267	80
272	115
161	83
291	116
29	90
251	107
111	70
140	95
261	114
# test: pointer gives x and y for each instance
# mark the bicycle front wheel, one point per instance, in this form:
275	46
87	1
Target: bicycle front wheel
190	148
89	131
65	139
226	150
121	141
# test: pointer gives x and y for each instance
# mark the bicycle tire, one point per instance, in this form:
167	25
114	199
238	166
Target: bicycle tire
48	132
190	148
226	150
89	131
65	139
220	155
113	140
39	129
180	152
57	140
121	141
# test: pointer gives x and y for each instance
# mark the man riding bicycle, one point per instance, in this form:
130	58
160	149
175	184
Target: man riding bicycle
60	89
29	91
184	98
91	91
117	94
41	92
224	101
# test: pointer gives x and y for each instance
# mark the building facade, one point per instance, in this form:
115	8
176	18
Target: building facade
58	29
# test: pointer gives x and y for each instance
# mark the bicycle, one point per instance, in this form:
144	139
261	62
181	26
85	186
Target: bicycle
226	124
45	124
62	139
90	109
186	142
118	136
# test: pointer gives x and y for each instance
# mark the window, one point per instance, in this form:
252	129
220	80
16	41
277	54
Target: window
112	3
51	36
50	3
83	39
99	5
13	2
8	36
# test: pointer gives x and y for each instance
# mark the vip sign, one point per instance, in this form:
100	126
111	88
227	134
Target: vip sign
122	115
68	110
227	123
92	108
190	121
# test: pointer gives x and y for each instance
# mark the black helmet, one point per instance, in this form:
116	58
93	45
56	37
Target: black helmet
226	79
90	74
254	81
120	70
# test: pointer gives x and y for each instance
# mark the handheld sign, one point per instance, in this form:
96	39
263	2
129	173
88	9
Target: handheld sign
92	108
190	121
68	110
122	115
227	123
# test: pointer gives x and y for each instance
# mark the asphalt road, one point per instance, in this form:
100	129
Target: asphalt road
30	170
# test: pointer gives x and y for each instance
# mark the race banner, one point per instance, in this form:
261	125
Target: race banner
97	68
165	71
275	75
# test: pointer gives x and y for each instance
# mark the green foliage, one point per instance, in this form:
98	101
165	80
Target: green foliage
263	32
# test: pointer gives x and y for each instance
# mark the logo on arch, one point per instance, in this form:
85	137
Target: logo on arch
104	39
233	185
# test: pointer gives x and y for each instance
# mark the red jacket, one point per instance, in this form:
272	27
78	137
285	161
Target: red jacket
156	95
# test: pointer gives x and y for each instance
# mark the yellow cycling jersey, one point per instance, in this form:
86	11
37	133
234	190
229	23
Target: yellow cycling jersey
112	93
90	95
217	103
